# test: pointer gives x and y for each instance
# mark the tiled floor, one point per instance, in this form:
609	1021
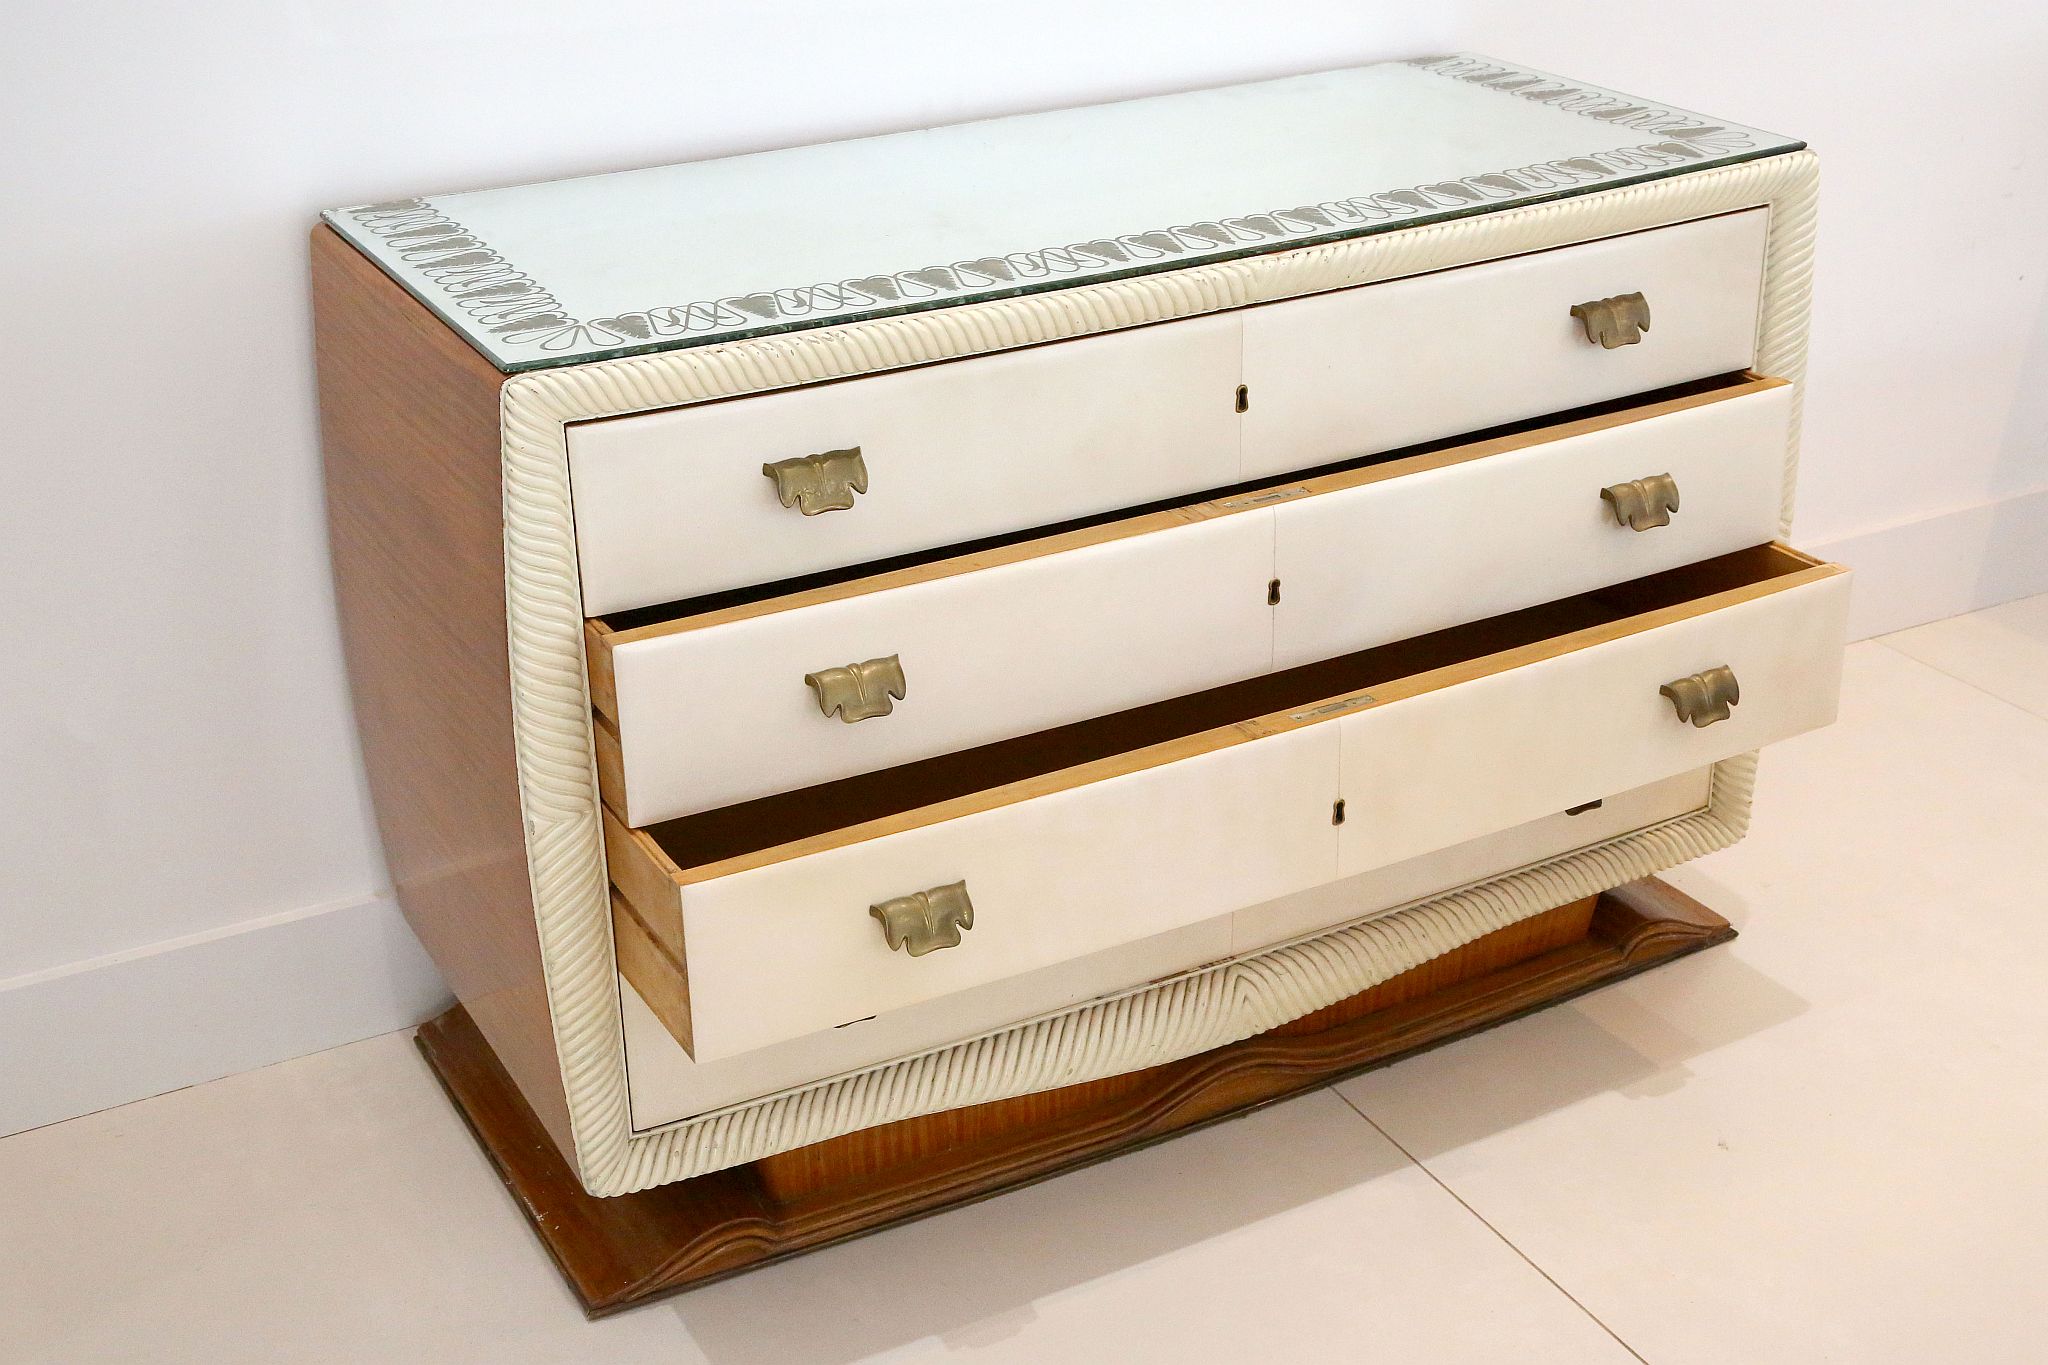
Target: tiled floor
1821	1143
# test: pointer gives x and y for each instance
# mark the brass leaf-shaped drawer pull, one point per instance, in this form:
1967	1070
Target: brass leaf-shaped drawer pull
1704	698
858	691
926	921
1619	321
825	482
1641	504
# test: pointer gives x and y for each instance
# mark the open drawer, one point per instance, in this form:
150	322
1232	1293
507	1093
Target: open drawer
707	708
796	913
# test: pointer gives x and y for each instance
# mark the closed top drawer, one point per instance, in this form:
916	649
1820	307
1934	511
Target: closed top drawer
735	704
818	909
673	505
1381	366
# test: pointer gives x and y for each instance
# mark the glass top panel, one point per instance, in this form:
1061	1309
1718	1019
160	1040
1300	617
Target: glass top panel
612	265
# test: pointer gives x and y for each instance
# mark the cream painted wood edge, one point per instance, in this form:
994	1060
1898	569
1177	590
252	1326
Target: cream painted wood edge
551	703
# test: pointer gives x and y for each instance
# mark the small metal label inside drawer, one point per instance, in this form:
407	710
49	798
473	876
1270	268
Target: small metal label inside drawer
1331	708
1261	499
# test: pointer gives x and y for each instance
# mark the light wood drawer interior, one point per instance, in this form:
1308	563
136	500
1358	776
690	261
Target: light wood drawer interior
672	505
1105	831
709	708
668	1084
720	712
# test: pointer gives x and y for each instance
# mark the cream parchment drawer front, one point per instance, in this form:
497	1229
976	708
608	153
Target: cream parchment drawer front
1472	538
672	505
793	948
1424	771
722	713
1382	366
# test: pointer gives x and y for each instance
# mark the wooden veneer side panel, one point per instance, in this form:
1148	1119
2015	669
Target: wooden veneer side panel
409	429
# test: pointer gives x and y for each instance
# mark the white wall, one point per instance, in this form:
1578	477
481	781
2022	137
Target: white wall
189	883
1925	460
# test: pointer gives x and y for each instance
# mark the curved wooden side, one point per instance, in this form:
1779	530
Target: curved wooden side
621	1251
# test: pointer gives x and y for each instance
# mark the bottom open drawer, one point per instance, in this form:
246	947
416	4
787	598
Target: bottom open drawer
764	922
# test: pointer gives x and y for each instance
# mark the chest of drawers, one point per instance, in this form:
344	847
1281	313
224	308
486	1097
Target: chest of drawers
993	668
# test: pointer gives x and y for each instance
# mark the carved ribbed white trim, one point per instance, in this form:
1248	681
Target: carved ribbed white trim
551	706
1784	319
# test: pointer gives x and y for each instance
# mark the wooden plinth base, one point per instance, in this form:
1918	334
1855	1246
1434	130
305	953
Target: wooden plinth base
623	1251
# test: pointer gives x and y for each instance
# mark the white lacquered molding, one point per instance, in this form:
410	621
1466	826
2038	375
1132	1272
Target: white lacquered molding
551	707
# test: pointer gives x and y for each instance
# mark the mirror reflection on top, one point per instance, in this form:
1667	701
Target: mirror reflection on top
613	265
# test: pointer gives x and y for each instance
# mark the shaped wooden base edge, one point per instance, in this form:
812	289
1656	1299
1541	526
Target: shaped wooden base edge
622	1251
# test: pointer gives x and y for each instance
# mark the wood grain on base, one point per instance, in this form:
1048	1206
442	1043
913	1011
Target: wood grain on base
625	1250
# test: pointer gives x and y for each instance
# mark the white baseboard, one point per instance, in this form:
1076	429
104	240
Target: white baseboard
90	1035
1944	565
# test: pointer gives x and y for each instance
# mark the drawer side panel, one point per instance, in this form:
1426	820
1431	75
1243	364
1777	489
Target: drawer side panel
717	716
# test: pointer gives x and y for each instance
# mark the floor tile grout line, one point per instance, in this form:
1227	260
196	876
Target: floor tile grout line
1973	685
1504	1240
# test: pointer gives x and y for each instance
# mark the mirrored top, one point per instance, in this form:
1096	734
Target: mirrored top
612	265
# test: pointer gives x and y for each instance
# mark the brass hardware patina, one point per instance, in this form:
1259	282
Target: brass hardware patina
1704	698
1331	708
858	691
926	921
825	482
1619	321
1261	499
1641	504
